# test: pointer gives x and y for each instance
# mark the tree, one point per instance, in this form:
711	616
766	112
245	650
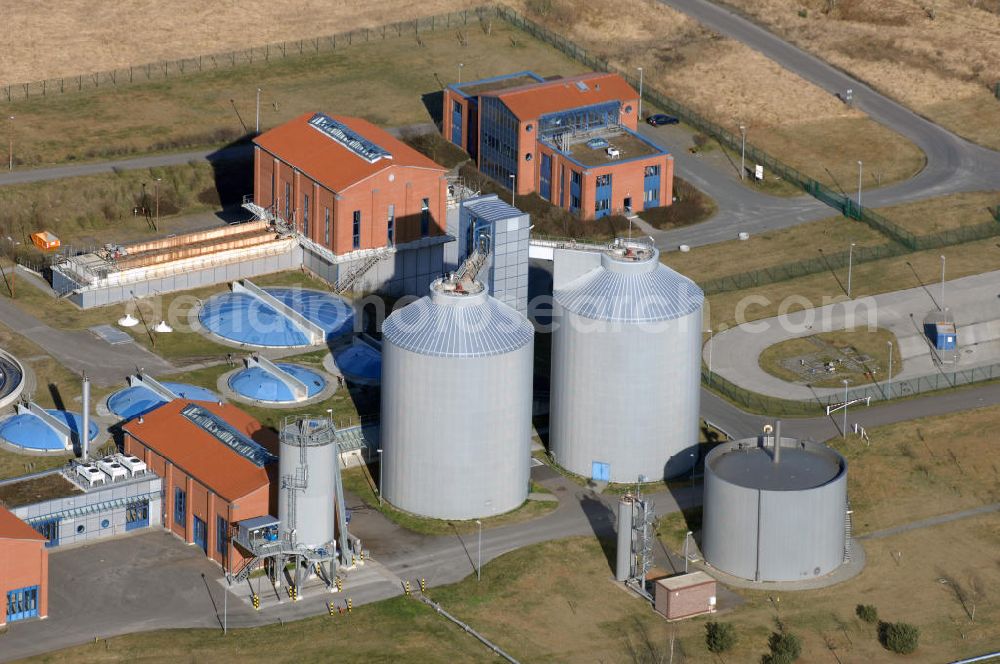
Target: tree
899	637
719	637
867	612
785	648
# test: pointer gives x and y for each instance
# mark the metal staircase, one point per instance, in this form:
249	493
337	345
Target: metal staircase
347	282
473	264
848	527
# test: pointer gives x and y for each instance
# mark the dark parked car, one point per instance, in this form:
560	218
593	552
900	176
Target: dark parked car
660	119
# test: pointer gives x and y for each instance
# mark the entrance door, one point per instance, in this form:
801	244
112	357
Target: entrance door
600	471
627	204
201	534
22	603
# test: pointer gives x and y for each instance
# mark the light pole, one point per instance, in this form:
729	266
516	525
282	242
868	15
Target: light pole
845	381
640	93
156	223
687	538
850	267
460	65
943	260
380	477
710	357
258	110
479	554
743	152
889	381
513	189
860	166
10	143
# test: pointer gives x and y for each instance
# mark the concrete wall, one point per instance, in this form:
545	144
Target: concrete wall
407	272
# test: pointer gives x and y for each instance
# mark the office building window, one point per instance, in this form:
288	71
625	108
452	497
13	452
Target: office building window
604	180
356	243
577	177
457	106
602	204
651	196
391	226
652	170
425	217
180	507
221	535
326	226
574	202
49	529
305	215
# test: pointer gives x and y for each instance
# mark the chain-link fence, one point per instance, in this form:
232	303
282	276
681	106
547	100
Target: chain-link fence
166	69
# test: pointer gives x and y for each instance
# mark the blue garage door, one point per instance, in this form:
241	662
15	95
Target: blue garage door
22	603
600	471
201	534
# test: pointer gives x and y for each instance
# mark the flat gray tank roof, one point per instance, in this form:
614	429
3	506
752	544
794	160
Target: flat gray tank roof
631	285
799	467
458	319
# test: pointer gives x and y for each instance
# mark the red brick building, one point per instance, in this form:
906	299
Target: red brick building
573	141
24	571
347	185
214	469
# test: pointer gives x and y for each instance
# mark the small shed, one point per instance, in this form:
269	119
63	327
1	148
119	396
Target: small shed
45	240
686	595
943	335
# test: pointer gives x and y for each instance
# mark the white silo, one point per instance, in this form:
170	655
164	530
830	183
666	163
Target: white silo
625	366
456	404
307	462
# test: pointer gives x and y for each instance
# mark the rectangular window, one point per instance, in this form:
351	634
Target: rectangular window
288	201
652	196
357	230
577	177
221	536
604	180
137	514
326	226
602	204
200	534
391	226
652	170
22	603
49	529
305	215
457	107
574	202
425	217
180	507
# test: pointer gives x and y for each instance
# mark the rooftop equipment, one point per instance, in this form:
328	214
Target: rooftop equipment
114	470
89	474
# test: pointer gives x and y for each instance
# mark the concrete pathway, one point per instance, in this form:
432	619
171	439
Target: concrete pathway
973	301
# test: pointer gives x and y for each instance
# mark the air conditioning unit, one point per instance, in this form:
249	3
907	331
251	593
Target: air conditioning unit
89	474
614	153
134	465
113	469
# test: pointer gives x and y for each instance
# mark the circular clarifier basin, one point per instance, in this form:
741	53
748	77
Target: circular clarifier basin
360	363
241	318
30	432
258	384
139	400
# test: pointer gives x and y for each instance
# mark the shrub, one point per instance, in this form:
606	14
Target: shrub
719	637
899	637
867	612
785	648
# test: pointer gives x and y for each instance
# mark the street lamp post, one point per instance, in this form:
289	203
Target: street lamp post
850	267
943	261
479	551
889	381
380	477
687	538
743	152
258	110
156	223
710	357
10	143
640	94
845	381
513	189
460	65
860	166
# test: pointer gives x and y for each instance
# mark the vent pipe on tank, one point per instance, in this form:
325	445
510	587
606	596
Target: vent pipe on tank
84	434
776	454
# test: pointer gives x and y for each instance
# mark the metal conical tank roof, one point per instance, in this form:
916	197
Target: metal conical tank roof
631	285
457	319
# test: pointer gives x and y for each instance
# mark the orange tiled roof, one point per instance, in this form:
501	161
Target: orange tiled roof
13	528
537	99
330	163
198	453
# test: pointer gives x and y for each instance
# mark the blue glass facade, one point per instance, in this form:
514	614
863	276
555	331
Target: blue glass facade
579	119
651	187
22	603
575	184
456	123
498	141
602	196
545	177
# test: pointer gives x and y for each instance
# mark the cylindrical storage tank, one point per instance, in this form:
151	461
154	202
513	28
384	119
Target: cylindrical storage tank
456	404
774	521
626	369
306	461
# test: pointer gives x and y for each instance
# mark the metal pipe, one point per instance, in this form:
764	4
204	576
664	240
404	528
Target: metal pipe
84	433
776	454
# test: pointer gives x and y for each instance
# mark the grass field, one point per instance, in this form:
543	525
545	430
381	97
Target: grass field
946	212
692	206
873	343
785	115
391	83
939	58
881	276
556	602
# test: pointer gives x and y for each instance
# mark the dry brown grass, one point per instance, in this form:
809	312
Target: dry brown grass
732	84
945	213
943	67
67	37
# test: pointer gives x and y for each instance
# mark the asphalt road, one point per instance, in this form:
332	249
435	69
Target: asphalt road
953	164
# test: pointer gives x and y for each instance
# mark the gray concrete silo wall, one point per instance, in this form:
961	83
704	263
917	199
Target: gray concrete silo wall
626	394
314	506
456	432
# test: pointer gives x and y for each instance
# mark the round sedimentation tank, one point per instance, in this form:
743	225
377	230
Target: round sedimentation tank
139	399
775	513
456	404
306	496
256	383
11	378
626	368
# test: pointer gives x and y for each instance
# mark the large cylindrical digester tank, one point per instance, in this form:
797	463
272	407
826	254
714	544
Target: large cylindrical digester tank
456	404
626	373
307	457
767	520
